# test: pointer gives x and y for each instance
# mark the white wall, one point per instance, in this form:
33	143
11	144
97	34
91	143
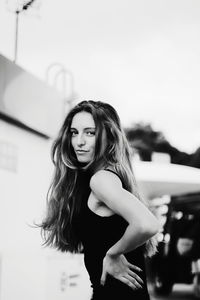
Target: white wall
23	190
28	271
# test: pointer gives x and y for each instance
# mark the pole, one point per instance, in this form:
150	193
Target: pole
16	34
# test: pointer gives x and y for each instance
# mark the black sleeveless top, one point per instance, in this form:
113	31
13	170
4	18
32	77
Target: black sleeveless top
97	235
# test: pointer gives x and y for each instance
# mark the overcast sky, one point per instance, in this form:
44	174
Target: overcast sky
143	57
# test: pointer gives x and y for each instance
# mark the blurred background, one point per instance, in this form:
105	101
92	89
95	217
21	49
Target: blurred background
142	57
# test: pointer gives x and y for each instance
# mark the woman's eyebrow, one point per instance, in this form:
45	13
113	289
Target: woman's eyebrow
85	128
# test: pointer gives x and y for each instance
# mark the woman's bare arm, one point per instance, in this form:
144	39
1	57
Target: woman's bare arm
142	224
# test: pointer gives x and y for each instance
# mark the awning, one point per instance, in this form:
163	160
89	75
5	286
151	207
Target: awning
158	179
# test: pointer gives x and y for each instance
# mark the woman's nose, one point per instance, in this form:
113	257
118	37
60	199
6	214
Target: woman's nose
80	140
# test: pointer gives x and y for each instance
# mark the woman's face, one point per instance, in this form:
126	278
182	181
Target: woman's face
83	136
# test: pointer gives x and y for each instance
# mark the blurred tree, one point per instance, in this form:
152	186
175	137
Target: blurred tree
144	141
195	158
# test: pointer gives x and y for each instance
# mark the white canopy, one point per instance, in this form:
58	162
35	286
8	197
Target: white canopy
157	179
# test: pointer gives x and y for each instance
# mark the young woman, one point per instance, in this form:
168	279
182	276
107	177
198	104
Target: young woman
94	206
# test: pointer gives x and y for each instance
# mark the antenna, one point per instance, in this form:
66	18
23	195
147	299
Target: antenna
18	7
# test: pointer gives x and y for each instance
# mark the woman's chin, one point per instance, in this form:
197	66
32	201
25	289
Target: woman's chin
83	162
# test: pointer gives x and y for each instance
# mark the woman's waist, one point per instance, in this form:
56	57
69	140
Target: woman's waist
93	263
93	260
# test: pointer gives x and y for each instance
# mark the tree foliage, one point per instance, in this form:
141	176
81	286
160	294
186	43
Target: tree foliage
144	140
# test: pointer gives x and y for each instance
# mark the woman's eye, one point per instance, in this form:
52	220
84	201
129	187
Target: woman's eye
90	132
73	133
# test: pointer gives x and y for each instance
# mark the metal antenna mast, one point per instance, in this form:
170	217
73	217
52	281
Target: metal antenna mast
18	8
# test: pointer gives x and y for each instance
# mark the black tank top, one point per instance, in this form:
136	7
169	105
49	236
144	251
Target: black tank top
97	235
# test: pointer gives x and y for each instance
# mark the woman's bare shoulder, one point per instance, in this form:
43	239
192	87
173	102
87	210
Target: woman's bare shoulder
104	178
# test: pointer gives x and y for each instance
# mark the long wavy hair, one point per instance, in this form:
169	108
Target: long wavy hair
63	201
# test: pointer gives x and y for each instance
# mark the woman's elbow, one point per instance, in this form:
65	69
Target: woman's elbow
155	227
151	228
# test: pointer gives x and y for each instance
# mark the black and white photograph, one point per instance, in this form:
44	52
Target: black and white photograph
99	150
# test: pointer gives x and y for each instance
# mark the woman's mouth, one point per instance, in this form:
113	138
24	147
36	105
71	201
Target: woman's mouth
81	151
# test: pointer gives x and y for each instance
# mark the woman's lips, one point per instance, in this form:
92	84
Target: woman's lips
81	151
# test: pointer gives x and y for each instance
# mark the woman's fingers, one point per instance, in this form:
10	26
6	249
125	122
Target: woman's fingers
130	281
103	277
134	275
133	281
122	270
134	267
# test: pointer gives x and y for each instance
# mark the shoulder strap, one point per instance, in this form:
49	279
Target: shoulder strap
113	172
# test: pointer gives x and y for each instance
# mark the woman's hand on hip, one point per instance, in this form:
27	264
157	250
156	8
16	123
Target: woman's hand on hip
119	268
